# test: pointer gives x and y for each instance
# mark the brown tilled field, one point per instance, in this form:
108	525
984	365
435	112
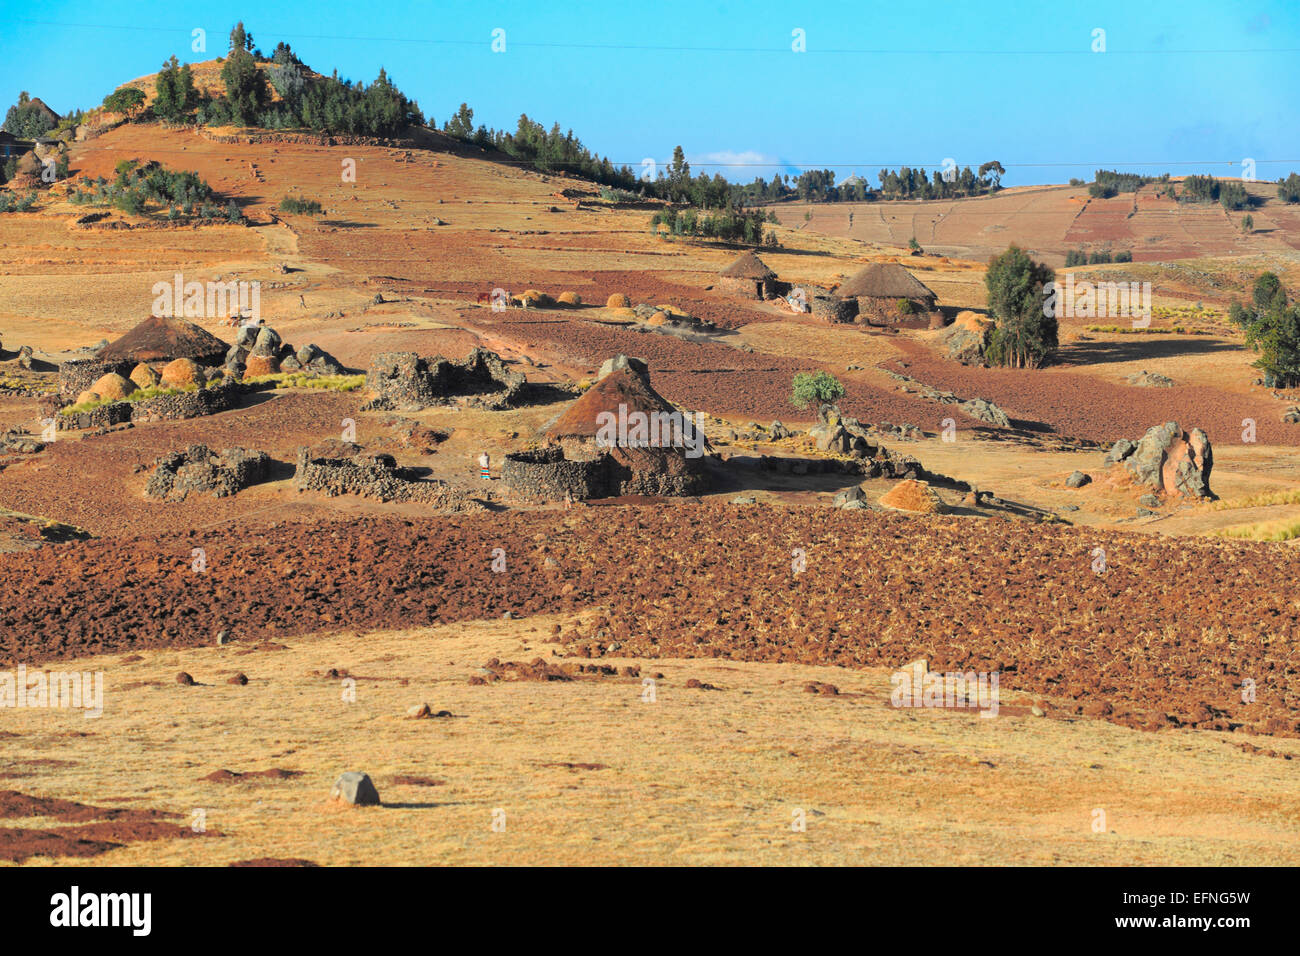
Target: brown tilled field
645	681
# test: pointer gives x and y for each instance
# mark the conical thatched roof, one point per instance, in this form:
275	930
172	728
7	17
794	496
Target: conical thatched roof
883	280
623	386
748	266
163	339
630	388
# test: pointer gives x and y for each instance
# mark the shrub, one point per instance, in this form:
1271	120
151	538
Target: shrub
905	307
1234	197
1288	190
1200	189
820	387
306	207
1123	256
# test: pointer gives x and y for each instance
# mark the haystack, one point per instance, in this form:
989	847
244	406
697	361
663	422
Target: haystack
112	387
748	276
882	287
181	373
144	376
164	339
914	496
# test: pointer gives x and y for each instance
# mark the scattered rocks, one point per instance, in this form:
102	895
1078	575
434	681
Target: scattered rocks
1149	501
184	679
355	788
241	679
1077	479
1145	379
849	496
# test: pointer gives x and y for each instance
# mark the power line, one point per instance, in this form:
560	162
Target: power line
665	48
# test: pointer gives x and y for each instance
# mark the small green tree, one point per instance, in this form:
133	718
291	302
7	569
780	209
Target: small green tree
1248	223
820	387
177	96
1288	190
1273	330
1025	334
913	244
246	89
125	101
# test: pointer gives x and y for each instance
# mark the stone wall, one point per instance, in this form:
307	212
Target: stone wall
77	375
547	475
403	381
198	470
375	476
195	404
878	310
161	408
551	472
830	308
748	288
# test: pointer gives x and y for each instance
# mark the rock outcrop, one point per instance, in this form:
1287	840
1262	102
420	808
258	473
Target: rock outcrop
1168	460
403	381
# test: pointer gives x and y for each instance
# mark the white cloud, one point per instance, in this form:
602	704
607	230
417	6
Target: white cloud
737	166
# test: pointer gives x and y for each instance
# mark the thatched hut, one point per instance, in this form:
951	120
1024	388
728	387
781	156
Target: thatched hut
620	438
748	276
890	295
164	338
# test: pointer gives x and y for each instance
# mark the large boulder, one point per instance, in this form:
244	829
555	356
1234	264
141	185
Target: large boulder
985	411
967	338
355	788
1171	461
619	361
1119	451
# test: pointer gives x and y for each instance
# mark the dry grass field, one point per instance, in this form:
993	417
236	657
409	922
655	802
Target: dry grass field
592	772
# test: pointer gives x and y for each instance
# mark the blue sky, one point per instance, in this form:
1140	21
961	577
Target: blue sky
879	84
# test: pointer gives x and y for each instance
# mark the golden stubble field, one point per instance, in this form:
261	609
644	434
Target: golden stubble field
589	772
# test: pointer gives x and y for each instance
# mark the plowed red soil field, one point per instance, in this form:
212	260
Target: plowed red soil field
1080	405
1164	637
709	376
